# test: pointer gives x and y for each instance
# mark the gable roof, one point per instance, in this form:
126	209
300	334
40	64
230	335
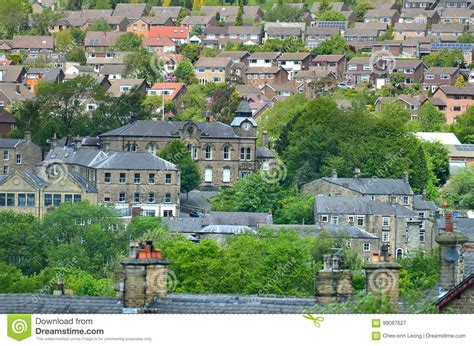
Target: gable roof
10	90
237	218
33	42
213	62
370	186
131	11
455	292
102	39
173	32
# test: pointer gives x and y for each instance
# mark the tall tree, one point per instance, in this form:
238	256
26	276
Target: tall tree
13	17
239	21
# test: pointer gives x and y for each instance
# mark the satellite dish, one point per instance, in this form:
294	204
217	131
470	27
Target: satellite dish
451	255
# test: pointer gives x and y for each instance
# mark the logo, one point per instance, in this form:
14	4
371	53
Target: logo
19	327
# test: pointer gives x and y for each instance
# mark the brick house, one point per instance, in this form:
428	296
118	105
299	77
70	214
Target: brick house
260	75
263	59
212	70
428	17
294	62
178	34
142	26
412	69
10	92
387	48
456	99
315	35
447	32
360	70
438	76
101	41
332	63
7	122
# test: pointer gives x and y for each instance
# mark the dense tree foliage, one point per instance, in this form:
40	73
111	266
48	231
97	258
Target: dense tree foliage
464	126
444	58
334	45
284	13
459	192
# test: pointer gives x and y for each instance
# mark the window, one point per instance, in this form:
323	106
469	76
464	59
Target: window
6	170
151	197
30	200
249	152
360	220
6	155
350	219
385	236
136	178
324	218
335	220
121	197
122	178
136	197
457	108
422	236
195	153
386	221
242	153
399	253
18	159
168	198
266	165
226	152
208	155
151	147
429	76
226	175
21	200
444	76
366	247
208	175
57	199
151	178
366	67
405	200
48	200
2	200
67	198
77	198
10	199
107	177
168	179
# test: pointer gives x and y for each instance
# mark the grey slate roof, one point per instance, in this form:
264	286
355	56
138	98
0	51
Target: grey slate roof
420	203
333	230
237	218
265	153
151	128
230	304
225	229
33	179
10	142
99	159
183	224
88	187
372	186
359	206
49	304
462	224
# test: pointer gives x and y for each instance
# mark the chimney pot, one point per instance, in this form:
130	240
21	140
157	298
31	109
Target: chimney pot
334	173
449	226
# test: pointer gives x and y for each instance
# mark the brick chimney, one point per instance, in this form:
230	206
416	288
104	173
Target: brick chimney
452	254
144	275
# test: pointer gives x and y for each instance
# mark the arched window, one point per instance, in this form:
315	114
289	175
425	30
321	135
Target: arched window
208	155
152	148
226	152
399	253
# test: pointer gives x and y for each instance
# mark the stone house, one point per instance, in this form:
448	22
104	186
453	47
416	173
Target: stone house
223	153
125	179
459	298
294	62
403	30
26	192
19	154
212	70
456	100
331	63
392	224
435	77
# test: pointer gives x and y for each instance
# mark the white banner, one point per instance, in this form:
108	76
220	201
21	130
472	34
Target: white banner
236	329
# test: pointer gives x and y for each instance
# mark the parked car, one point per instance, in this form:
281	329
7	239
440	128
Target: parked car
346	85
197	213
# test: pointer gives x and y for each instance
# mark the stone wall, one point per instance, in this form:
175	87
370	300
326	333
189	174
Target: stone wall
464	304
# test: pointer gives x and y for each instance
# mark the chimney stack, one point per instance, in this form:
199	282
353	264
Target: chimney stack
334	173
28	136
357	173
77	143
54	141
265	140
333	283
144	275
17	89
405	177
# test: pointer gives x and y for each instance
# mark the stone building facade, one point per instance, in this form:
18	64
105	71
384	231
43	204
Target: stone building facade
19	154
224	153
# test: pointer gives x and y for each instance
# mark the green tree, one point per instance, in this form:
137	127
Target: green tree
239	21
361	9
295	209
284	13
143	64
466	38
13	17
443	58
83	283
430	118
460	190
77	54
332	16
437	154
397	79
100	25
191	52
333	45
141	225
44	21
464	126
84	236
128	42
177	153
184	72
